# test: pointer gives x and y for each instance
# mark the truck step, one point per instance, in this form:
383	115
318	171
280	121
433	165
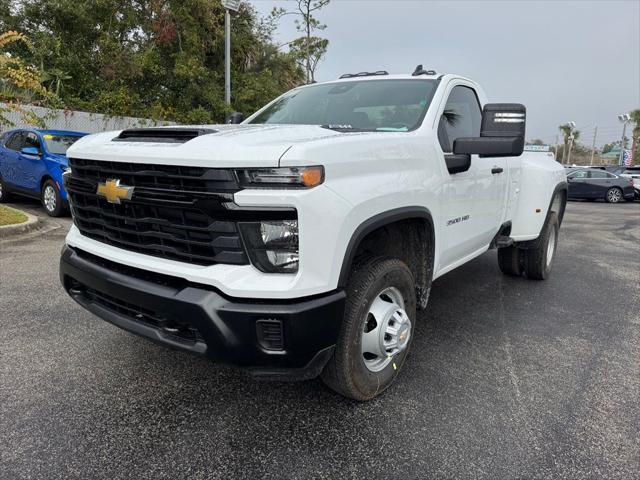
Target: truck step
503	241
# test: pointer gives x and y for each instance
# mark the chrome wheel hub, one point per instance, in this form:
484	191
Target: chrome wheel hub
49	198
387	330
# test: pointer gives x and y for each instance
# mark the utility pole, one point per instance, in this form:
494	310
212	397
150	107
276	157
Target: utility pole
624	119
557	137
228	6
570	147
593	145
572	127
227	56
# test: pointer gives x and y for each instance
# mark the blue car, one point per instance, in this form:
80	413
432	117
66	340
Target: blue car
32	163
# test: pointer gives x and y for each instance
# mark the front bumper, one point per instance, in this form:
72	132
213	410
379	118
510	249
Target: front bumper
283	339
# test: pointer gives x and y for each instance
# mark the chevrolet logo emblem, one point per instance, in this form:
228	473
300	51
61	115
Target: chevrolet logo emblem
113	191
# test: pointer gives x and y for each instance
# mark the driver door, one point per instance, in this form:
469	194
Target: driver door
473	200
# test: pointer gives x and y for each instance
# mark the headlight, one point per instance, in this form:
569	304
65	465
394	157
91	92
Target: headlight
272	245
301	177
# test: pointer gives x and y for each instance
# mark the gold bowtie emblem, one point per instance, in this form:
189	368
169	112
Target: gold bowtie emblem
114	192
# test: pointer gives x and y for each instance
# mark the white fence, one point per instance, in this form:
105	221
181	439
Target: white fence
78	121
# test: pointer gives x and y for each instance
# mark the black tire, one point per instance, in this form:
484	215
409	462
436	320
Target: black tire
4	193
51	200
346	372
510	261
537	265
613	195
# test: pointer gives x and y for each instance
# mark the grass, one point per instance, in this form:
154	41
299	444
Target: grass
9	216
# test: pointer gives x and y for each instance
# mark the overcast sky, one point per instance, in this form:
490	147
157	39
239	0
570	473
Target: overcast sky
565	60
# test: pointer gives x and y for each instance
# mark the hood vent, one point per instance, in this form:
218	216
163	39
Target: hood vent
161	135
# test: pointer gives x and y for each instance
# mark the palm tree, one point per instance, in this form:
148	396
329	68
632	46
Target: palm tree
635	119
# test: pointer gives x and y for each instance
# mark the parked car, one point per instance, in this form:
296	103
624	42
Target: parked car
302	241
32	163
634	174
595	183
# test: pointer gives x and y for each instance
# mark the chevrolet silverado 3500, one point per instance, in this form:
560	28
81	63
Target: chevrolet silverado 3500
302	241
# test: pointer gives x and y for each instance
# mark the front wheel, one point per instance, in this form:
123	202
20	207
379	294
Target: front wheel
51	199
539	260
377	329
614	195
4	193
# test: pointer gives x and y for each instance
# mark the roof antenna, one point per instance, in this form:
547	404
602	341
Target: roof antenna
420	71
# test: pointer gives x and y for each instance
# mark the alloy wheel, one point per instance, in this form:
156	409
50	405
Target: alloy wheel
49	198
614	195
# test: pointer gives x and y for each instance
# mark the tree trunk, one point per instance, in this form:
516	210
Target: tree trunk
634	152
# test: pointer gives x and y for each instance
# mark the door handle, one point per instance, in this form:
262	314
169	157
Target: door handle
495	170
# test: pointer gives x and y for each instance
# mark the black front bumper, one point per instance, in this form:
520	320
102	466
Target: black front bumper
289	339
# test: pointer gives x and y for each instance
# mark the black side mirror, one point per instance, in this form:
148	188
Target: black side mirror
501	135
235	118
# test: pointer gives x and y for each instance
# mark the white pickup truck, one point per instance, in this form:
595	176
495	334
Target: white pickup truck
302	241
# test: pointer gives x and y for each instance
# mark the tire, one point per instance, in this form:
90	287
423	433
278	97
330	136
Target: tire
510	261
613	195
352	371
539	260
51	200
4	192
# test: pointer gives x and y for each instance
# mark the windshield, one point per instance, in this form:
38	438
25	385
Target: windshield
369	105
59	144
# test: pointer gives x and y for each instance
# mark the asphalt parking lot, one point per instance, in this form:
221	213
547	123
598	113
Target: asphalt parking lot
508	378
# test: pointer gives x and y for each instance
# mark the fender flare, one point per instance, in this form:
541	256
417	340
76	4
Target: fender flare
560	187
380	220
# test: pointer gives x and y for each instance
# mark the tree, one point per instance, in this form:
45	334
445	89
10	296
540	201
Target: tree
309	48
308	53
20	83
635	148
161	59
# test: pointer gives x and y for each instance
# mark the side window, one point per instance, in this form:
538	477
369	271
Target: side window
462	117
579	174
15	141
31	140
599	174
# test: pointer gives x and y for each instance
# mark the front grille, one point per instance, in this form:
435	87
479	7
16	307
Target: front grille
176	212
169	177
169	328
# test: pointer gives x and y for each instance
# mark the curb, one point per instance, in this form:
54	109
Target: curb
32	223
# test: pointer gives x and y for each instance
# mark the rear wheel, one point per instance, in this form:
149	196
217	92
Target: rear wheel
377	329
539	260
614	195
510	261
51	200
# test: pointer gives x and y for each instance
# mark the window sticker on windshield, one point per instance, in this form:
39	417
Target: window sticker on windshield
423	103
48	136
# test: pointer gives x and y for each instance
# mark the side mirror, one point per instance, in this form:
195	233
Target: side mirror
31	151
235	118
501	135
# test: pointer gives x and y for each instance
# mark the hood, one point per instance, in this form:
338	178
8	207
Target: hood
229	146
